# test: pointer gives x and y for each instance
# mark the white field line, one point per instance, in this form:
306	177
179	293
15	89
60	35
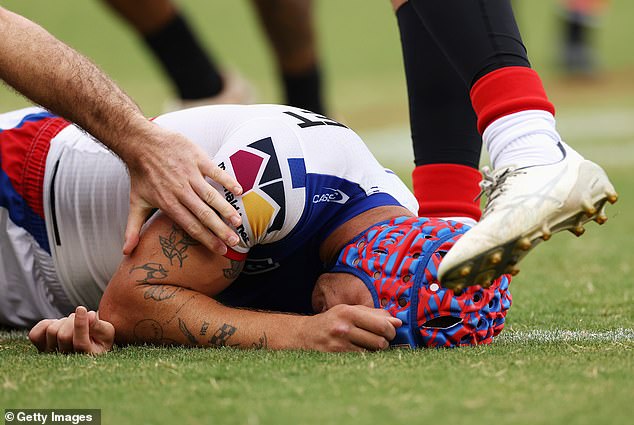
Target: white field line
585	131
547	336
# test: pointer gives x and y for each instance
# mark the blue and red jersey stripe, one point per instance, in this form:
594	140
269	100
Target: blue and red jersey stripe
23	152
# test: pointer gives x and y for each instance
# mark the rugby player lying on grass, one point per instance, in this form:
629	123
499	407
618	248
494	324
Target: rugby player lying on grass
326	230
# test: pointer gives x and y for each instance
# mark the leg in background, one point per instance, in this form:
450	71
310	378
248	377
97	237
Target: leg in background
168	34
579	20
289	25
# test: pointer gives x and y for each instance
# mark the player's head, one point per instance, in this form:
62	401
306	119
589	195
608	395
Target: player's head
398	262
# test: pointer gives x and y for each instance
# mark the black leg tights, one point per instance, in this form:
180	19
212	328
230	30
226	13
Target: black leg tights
442	121
447	46
478	36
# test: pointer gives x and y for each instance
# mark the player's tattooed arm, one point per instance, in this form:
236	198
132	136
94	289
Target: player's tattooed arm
149	272
163	294
149	331
234	271
149	314
262	344
175	245
189	262
221	337
183	328
168	255
160	292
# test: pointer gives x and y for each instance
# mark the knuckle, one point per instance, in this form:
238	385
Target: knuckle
388	329
169	204
108	328
193	229
390	335
51	331
215	172
340	330
382	344
210	197
205	215
65	336
342	309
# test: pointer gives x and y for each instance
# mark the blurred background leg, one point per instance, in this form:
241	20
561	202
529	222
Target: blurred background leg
290	27
579	22
193	71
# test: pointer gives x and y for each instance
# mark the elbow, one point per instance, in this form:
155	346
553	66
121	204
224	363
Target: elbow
119	315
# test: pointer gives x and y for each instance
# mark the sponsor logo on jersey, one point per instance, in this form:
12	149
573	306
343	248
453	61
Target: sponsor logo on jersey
331	195
257	169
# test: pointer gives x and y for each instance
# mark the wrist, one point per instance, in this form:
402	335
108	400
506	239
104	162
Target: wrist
293	334
302	332
134	138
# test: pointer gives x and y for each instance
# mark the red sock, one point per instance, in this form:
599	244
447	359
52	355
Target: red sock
506	91
447	190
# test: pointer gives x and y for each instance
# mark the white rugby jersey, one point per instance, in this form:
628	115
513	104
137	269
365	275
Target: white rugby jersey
302	174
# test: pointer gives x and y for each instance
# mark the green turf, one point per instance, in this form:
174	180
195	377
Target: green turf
513	382
566	356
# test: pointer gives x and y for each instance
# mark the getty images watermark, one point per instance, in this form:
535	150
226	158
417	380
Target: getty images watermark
52	416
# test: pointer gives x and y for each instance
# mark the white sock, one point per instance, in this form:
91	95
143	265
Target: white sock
523	139
463	220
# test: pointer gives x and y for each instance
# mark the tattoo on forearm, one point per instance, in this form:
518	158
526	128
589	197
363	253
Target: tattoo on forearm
154	271
175	245
183	327
148	330
222	335
194	295
203	328
235	270
161	292
263	343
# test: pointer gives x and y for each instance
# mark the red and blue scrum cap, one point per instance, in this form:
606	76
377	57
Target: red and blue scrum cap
398	262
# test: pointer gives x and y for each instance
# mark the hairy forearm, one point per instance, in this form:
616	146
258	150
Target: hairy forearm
57	77
168	315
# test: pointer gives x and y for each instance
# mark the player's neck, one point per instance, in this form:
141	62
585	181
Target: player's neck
334	243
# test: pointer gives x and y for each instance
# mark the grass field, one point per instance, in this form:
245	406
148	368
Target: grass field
567	354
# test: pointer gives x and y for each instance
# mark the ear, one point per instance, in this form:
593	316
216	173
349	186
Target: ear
340	288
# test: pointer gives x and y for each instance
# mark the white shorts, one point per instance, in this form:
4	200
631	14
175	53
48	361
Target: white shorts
29	286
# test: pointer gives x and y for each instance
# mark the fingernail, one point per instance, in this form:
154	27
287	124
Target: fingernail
236	220
233	240
237	190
